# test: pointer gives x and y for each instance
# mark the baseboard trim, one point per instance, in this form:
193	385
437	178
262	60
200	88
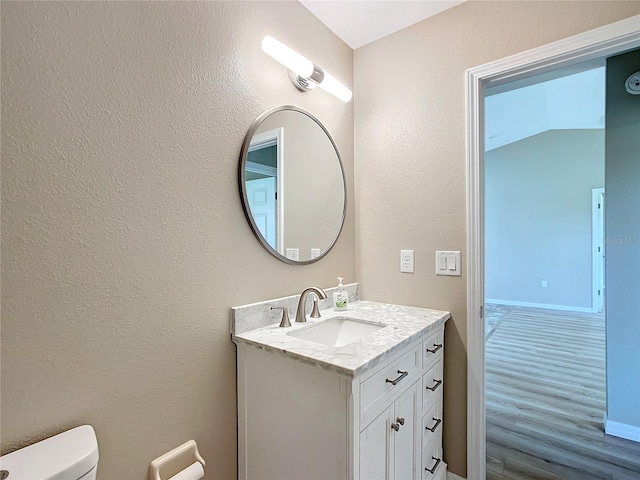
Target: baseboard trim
566	308
622	430
453	476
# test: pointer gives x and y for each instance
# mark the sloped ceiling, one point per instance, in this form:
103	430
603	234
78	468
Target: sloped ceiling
569	102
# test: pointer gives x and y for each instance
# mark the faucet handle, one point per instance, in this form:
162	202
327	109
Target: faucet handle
285	316
315	312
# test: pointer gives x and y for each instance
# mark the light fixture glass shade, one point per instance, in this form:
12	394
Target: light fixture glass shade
334	87
287	56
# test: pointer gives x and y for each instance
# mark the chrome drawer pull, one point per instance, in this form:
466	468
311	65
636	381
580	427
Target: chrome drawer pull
433	470
435	386
394	382
438	422
400	420
438	347
395	426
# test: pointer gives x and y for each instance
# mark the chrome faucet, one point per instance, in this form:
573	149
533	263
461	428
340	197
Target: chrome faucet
300	311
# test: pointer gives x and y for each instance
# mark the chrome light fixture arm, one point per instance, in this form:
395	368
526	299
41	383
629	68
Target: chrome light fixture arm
306	84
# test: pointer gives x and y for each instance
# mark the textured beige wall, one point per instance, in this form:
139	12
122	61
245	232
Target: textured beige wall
410	156
123	239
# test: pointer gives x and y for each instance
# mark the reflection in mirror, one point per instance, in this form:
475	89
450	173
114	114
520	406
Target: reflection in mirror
292	185
262	172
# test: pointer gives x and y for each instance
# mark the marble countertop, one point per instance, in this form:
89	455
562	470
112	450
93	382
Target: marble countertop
404	325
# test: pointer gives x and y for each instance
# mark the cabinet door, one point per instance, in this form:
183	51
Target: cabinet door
390	445
376	448
407	441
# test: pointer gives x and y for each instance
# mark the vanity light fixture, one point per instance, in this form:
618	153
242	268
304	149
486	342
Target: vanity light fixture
304	74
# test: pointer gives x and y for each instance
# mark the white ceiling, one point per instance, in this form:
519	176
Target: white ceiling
360	22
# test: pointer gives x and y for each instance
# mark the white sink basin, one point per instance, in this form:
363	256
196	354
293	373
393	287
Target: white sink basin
337	332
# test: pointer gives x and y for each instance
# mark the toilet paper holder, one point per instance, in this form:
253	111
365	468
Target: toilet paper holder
175	461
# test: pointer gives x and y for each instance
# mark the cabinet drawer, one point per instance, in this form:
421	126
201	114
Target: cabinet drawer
432	461
390	380
432	422
432	385
432	347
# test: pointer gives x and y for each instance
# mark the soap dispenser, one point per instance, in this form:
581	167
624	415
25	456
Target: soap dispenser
340	297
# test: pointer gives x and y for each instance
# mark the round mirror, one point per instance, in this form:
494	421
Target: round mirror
292	185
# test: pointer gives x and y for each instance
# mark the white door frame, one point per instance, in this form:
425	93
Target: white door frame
599	43
597	241
268	139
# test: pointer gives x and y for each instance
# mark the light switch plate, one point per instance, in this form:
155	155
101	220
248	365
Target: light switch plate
315	253
448	263
292	254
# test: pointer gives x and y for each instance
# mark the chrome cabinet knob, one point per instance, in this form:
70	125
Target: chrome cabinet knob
395	426
400	420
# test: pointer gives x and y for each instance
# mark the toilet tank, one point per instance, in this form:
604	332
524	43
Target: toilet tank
70	455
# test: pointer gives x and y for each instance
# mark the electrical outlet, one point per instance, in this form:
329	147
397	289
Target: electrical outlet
406	261
292	254
315	253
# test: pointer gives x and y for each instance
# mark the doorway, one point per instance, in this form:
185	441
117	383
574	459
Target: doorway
545	369
265	185
602	42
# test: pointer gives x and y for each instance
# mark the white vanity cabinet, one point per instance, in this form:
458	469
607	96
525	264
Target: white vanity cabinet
389	445
307	421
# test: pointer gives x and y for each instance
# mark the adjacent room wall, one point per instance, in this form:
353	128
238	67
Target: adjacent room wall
410	156
622	248
124	243
538	218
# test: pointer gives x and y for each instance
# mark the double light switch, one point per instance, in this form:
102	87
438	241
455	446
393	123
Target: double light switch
448	263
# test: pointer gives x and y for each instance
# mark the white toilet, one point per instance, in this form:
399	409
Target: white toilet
70	455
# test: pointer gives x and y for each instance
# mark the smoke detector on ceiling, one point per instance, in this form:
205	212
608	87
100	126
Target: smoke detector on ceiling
632	85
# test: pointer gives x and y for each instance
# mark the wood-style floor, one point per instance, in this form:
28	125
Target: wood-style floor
545	399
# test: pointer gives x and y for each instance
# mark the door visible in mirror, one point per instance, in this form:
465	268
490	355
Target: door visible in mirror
263	170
